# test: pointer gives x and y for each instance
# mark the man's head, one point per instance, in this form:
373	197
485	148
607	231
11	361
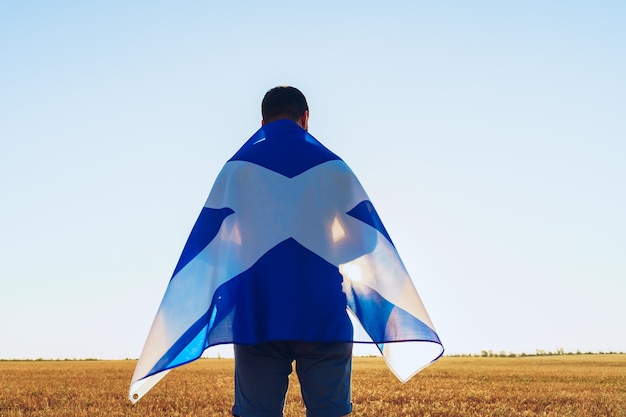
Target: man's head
285	102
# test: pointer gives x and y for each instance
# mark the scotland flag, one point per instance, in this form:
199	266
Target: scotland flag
287	247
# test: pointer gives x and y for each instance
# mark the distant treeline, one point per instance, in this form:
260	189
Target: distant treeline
539	352
483	354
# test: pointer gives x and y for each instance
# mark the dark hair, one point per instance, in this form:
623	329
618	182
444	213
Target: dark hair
283	102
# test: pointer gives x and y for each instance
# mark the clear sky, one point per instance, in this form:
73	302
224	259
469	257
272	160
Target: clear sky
490	136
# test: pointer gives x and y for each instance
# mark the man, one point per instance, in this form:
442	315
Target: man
288	260
323	368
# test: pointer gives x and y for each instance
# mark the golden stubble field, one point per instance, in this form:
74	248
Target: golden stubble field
564	385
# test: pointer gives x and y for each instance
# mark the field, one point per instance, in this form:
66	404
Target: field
560	385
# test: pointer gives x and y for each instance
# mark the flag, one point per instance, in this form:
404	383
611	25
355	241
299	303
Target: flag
288	246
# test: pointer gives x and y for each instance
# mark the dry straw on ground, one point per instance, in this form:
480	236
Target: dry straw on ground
563	385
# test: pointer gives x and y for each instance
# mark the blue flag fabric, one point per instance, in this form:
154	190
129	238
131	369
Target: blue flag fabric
288	246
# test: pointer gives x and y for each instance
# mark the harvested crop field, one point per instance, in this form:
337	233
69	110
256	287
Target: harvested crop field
559	385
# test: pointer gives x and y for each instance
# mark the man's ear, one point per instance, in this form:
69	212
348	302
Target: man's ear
304	120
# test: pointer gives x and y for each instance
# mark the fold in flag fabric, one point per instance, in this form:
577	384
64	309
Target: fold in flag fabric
288	246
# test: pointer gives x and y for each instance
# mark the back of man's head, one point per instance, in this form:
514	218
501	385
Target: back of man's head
283	102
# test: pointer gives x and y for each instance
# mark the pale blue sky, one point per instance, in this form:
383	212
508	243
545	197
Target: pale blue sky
490	136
